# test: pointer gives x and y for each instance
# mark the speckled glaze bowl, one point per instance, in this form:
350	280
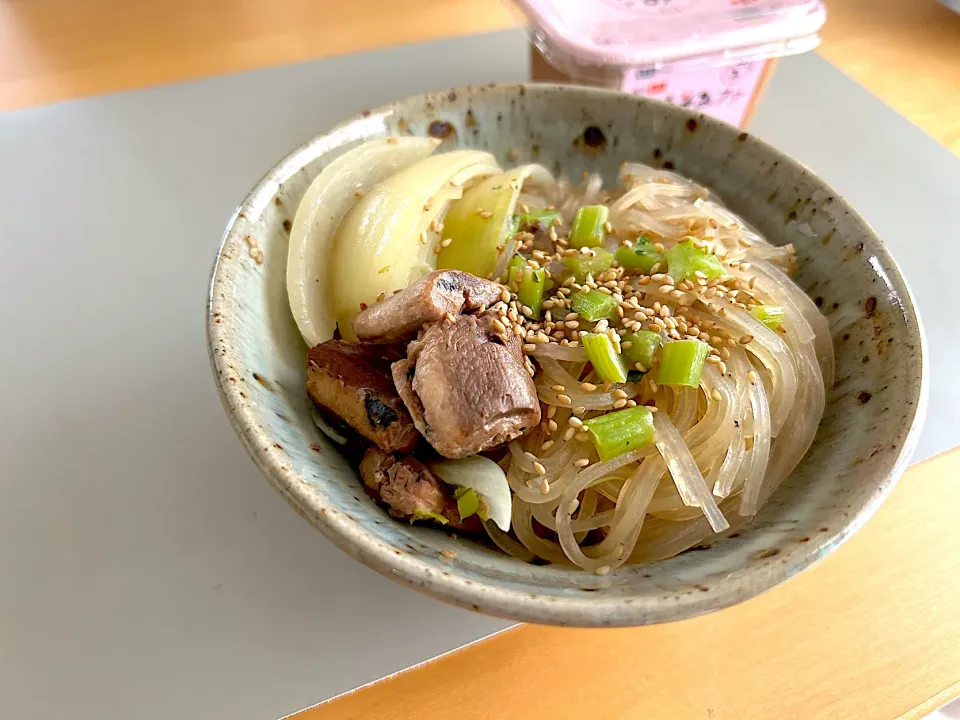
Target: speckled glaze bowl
873	414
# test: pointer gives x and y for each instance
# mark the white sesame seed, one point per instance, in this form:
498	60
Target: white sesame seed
581	462
539	468
544	486
564	399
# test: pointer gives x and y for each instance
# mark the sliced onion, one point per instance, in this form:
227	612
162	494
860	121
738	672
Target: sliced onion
326	428
483	475
332	193
382	244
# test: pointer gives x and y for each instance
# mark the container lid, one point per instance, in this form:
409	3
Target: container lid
648	32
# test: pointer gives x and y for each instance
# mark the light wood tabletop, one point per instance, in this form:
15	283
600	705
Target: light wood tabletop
905	51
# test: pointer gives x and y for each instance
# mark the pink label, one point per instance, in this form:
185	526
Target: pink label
721	91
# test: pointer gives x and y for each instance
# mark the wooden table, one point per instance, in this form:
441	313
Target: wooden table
872	632
905	51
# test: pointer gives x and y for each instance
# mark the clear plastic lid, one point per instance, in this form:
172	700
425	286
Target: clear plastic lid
651	32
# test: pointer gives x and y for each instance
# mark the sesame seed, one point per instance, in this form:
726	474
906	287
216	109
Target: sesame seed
551	410
552	424
575	422
588	387
715	394
547	445
722	367
539	468
564	399
446	242
581	462
752	377
558	388
544	486
568	434
501	328
746	339
436	249
619	404
618	393
608	228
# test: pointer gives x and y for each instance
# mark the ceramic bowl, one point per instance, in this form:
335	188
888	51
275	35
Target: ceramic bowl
873	414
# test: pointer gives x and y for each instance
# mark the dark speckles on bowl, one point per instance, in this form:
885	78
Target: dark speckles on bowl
860	448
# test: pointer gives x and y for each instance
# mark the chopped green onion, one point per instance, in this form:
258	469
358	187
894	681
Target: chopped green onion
681	362
616	433
533	284
587	229
517	263
769	315
468	502
685	260
643	346
593	305
541	217
419	514
581	265
642	256
606	363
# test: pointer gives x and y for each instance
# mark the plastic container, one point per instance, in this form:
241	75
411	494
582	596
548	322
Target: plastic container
711	55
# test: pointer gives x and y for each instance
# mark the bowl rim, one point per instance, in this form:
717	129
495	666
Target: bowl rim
412	569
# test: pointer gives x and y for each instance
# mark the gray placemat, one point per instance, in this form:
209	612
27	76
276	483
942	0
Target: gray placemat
149	571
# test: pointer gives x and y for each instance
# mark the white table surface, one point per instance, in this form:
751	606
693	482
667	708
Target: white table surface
148	571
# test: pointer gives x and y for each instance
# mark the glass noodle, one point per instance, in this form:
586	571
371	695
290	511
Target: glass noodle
720	449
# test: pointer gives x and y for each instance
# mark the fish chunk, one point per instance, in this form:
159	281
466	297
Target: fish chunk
466	386
428	300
